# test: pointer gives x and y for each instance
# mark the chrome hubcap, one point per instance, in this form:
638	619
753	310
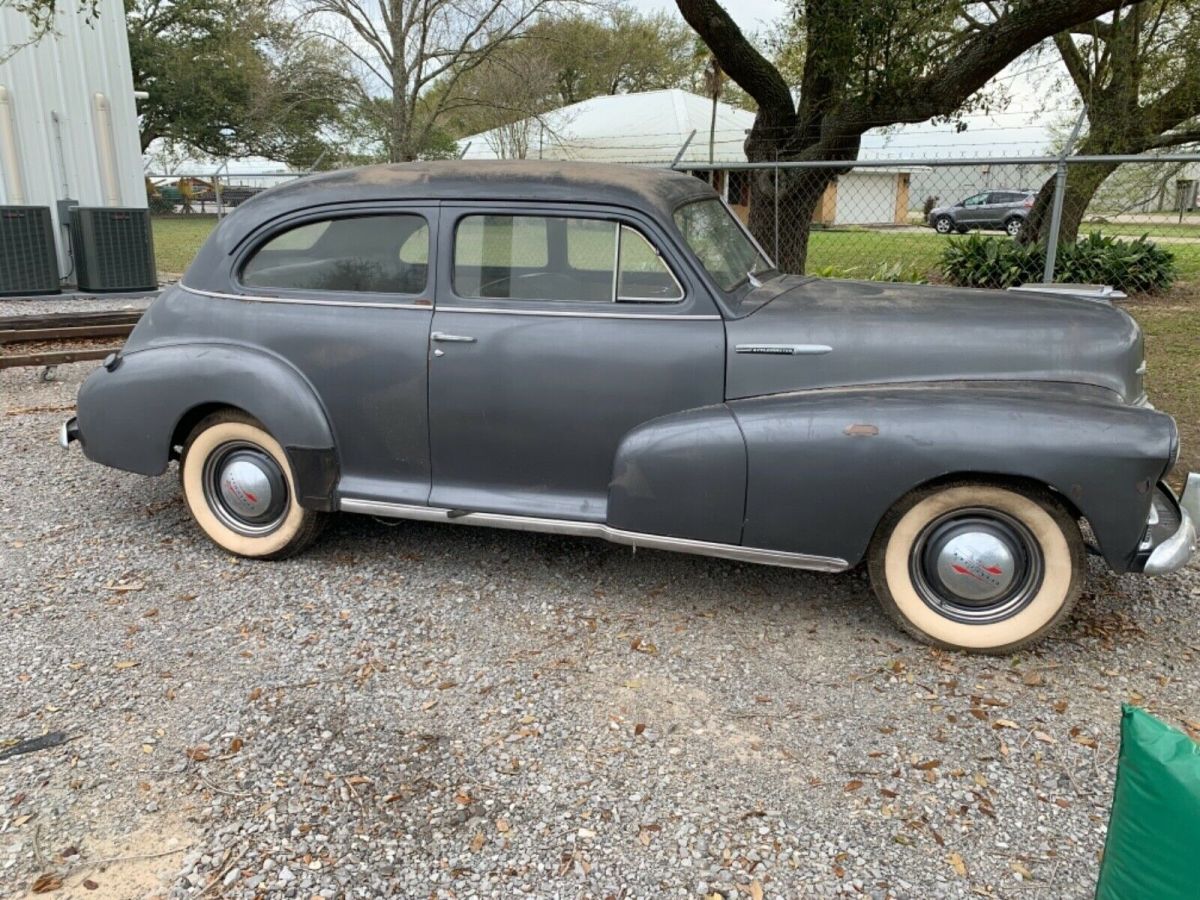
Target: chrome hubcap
245	488
977	565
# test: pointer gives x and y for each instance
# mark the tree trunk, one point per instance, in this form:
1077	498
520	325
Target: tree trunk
1082	183
399	138
800	193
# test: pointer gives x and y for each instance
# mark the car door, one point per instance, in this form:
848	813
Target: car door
973	211
996	209
557	329
346	298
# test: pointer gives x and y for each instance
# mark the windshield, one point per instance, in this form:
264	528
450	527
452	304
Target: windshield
720	242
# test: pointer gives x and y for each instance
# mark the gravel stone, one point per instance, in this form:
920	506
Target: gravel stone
422	710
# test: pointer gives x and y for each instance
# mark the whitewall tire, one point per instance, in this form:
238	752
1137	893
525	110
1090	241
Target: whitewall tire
240	490
979	567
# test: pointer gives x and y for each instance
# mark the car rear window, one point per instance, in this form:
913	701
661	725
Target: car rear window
558	258
354	254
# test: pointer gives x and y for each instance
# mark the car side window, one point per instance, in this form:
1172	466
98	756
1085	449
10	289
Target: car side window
558	258
353	254
642	275
977	200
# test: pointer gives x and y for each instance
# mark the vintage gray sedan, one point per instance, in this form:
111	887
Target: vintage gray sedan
606	352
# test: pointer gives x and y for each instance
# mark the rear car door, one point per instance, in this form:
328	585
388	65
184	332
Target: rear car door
345	297
557	330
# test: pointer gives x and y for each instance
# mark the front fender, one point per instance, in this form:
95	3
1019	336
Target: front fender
128	416
825	466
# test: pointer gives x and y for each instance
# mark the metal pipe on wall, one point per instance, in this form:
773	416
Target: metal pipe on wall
10	162
106	150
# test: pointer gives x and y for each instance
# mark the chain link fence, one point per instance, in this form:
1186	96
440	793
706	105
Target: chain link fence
1129	222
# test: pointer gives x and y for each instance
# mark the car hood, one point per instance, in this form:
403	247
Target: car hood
821	333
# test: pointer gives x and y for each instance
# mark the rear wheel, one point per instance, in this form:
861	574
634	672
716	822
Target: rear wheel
1014	225
978	567
240	490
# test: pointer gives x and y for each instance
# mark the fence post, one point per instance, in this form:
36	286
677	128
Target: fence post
1060	189
682	149
775	259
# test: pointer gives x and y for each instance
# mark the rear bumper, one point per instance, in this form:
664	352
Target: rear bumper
68	432
1175	552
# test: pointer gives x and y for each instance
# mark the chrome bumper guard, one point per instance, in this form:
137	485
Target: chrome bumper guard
68	432
1175	551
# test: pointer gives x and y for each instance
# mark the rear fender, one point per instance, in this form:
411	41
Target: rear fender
825	466
128	416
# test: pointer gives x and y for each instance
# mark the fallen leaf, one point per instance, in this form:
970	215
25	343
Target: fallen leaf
150	613
756	891
89	884
1033	679
446	685
1021	870
1044	737
20	820
428	705
852	785
928	764
46	883
126	664
478	841
198	753
235	746
503	826
639	727
1005	723
1060	706
254	694
956	863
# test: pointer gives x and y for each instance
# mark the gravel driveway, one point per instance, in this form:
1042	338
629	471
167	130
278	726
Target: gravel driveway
426	710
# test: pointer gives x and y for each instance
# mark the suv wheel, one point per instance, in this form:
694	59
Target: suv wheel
1014	225
943	224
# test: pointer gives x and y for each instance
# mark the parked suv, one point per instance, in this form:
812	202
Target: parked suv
1003	210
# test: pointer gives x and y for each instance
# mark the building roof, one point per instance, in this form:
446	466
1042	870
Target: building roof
648	127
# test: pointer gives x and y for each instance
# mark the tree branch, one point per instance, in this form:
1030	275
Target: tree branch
741	61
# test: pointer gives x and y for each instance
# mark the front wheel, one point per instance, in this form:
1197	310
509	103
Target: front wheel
943	225
977	567
240	490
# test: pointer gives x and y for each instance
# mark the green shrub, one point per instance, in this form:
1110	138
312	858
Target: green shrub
894	271
1138	266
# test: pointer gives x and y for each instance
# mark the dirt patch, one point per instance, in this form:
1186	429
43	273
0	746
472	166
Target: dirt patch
136	865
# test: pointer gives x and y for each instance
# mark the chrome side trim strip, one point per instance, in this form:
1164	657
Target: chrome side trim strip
302	301
784	349
597	530
491	311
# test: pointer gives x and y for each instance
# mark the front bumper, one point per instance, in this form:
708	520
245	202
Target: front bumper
1175	552
68	432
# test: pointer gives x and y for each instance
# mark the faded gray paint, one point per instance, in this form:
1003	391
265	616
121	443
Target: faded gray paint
636	418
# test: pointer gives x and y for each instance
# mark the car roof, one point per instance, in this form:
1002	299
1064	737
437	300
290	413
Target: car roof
513	180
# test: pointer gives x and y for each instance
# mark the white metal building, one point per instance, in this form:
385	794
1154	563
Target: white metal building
652	127
68	124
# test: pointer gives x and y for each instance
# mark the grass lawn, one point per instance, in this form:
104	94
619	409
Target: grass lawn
177	239
1172	327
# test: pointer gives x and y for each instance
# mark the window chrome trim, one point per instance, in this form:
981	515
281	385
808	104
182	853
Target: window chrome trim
300	301
595	529
571	314
617	298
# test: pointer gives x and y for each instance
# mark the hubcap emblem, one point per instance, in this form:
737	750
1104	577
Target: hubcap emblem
246	488
976	565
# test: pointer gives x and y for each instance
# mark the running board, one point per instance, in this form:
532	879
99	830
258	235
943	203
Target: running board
595	530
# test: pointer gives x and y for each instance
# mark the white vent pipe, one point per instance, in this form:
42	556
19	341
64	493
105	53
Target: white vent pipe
106	150
10	162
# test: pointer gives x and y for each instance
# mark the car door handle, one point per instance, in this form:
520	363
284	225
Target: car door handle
444	338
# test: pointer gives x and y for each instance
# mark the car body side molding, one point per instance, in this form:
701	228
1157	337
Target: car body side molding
597	530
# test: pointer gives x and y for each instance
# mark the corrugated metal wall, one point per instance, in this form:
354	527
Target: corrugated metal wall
51	88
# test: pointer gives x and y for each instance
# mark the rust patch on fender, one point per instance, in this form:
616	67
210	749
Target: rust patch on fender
861	430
